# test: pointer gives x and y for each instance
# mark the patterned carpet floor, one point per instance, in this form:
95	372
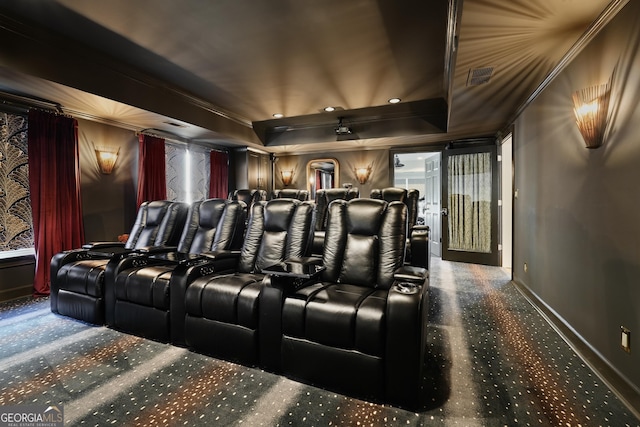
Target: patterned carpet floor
492	361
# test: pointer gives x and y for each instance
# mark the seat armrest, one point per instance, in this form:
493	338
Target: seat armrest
102	245
411	274
222	254
206	263
406	336
175	257
299	268
275	290
156	249
104	249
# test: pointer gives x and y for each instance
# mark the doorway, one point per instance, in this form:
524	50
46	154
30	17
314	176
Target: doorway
422	171
470	205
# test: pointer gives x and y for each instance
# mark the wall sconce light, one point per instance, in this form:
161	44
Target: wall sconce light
107	158
362	173
591	106
287	176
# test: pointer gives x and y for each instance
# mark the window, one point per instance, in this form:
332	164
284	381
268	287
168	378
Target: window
16	224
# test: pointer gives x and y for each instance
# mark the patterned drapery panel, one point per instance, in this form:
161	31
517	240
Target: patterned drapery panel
16	224
187	172
175	156
469	181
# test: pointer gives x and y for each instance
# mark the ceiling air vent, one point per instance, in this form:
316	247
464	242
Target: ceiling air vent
479	76
174	124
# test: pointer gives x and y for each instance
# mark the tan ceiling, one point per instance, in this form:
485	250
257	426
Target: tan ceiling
217	67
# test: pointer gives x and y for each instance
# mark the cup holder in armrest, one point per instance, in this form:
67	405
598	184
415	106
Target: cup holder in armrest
406	288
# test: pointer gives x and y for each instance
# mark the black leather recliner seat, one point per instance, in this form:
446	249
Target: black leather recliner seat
359	327
222	310
290	193
418	252
324	197
147	297
248	196
77	276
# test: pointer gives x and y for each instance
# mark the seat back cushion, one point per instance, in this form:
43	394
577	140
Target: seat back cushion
158	223
214	224
364	242
291	193
324	197
408	197
277	230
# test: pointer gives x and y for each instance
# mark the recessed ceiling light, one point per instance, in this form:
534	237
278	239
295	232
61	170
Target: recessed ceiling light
278	115
329	109
394	100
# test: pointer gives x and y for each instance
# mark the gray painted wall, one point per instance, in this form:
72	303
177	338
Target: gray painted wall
108	201
577	213
347	160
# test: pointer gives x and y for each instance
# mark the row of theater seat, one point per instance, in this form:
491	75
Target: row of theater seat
238	283
418	250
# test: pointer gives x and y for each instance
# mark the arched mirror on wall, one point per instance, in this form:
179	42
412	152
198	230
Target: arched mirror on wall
322	173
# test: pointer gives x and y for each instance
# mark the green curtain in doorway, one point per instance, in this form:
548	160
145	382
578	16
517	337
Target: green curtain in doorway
469	181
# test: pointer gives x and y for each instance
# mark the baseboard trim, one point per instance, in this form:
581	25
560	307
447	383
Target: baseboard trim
15	293
618	383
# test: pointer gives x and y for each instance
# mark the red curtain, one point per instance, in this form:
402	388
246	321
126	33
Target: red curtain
219	176
54	181
152	180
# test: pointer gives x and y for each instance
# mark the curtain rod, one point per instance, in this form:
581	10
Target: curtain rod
26	102
23	103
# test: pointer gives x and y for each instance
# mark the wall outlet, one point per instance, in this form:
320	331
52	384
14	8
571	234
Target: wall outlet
526	267
625	341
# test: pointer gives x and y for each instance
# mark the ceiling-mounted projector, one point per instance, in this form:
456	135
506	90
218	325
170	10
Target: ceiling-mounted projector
342	129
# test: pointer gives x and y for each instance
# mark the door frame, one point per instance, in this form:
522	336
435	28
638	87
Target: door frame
427	151
492	258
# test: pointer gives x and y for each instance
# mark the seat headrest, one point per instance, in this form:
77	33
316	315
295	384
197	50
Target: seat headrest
365	215
277	214
156	210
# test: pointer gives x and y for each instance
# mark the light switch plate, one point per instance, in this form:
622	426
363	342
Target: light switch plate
625	340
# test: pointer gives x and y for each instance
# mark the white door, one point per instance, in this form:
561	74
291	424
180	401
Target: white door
421	171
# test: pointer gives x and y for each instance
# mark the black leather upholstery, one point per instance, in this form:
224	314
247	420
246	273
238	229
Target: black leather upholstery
418	251
352	329
408	197
323	198
77	276
291	193
248	196
222	310
149	298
